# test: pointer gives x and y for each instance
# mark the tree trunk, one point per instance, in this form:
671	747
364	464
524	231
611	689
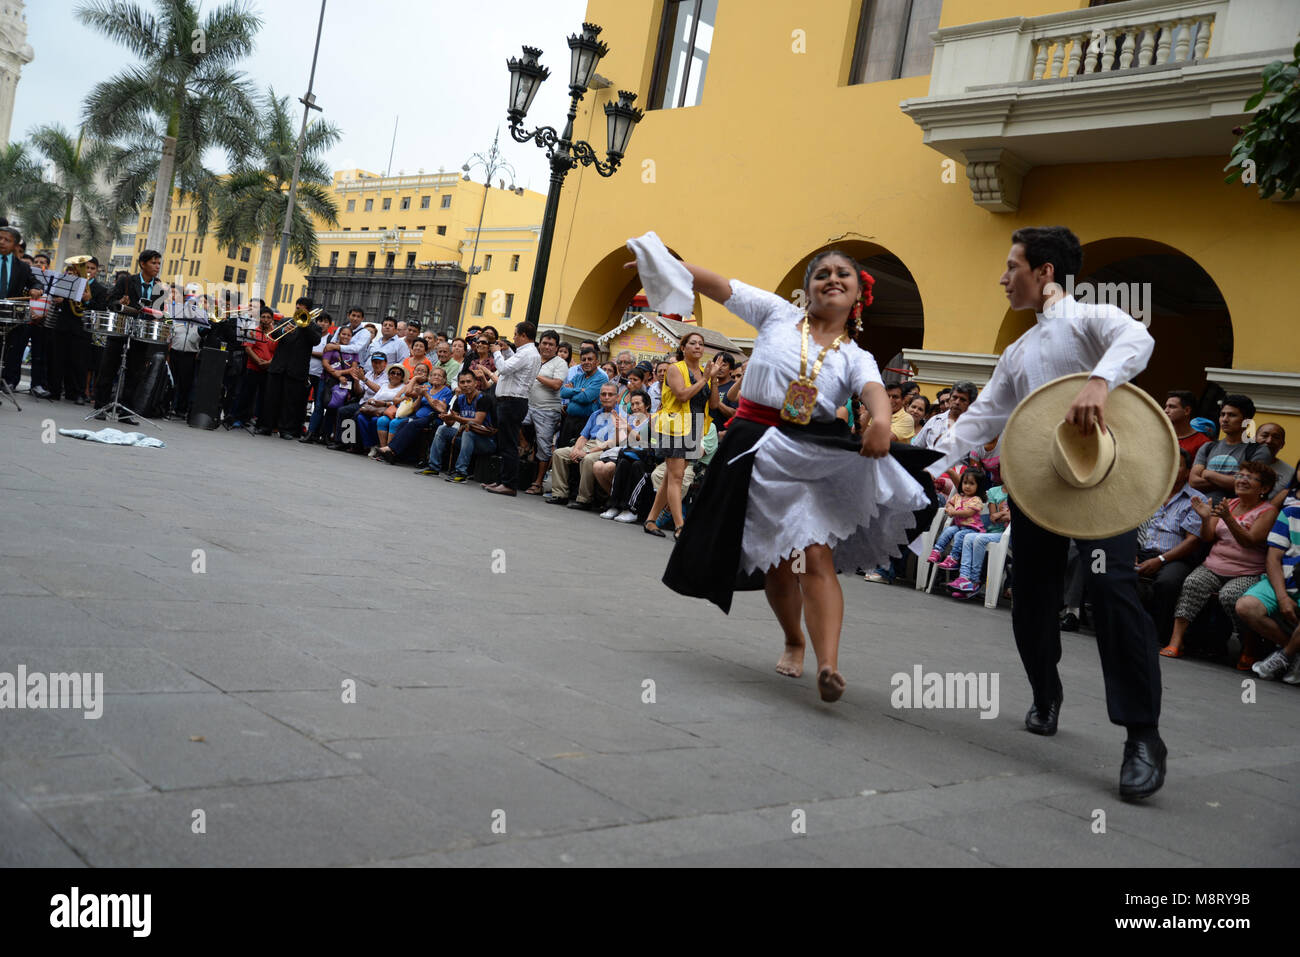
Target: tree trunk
162	195
264	267
60	246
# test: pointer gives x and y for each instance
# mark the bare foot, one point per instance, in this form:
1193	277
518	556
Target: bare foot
830	684
791	663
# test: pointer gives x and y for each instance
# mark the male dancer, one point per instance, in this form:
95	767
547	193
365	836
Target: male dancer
1071	337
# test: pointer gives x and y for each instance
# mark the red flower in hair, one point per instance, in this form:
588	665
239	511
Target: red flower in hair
868	281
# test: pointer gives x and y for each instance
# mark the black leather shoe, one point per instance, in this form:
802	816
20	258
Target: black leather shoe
582	506
1044	724
262	432
1069	621
1143	771
557	501
307	439
127	420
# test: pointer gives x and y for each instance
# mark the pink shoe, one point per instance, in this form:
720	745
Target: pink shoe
959	583
966	587
949	563
935	557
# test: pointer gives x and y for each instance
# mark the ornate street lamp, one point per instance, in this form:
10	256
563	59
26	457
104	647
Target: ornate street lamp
526	76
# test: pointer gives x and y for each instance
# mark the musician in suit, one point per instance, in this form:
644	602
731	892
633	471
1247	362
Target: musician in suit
70	352
287	375
98	294
131	293
16	282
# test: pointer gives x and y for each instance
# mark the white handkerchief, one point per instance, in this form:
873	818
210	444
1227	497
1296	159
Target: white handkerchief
669	286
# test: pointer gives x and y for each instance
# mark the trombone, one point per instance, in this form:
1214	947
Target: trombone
300	319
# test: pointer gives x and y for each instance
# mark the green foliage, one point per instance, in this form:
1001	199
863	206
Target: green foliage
1268	149
26	198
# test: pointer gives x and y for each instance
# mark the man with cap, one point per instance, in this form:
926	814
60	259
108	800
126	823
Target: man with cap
1109	347
345	429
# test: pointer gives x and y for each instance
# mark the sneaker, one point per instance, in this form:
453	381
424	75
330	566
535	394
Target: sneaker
627	518
936	556
959	583
1292	677
1274	666
458	479
949	563
427	471
609	513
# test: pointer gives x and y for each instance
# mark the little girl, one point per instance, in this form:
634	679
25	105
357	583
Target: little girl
964	507
974	546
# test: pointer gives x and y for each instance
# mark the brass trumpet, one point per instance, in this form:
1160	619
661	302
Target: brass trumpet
80	266
300	319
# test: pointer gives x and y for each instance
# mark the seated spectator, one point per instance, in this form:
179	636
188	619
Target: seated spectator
624	362
381	405
635	383
963	507
406	430
959	399
623	468
599	434
1238	528
581	394
918	407
418	356
901	423
459	348
1273	436
345	428
1269	608
469	420
974	545
336	384
449	365
1217	462
1168	546
1179	406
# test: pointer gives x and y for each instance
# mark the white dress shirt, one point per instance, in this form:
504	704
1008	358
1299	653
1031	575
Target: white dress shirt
1069	337
394	349
517	371
359	347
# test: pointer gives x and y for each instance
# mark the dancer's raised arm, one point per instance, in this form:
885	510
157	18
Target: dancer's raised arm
706	281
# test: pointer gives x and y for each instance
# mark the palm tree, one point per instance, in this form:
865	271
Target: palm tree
256	195
25	196
77	165
185	93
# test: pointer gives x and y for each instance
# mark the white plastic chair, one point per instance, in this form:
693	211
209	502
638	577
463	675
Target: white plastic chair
997	559
924	570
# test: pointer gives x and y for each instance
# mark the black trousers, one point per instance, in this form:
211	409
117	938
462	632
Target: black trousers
510	417
15	344
183	364
1159	595
284	407
1126	636
135	364
631	475
69	356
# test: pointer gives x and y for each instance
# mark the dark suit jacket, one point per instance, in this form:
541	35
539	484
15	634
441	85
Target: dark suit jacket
20	280
293	353
130	287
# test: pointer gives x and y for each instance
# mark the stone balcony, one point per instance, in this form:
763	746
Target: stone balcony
1143	79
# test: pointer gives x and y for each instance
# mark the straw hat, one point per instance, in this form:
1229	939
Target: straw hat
1095	486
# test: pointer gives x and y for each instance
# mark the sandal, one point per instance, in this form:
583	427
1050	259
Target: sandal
534	489
652	529
1169	651
677	532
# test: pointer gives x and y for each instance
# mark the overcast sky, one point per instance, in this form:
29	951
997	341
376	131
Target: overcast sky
437	67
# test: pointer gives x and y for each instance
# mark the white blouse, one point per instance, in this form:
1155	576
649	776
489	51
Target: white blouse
775	360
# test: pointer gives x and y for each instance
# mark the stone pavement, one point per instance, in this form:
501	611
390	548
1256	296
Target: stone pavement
516	696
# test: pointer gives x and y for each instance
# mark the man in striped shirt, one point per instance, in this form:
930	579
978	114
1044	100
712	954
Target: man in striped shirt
1269	608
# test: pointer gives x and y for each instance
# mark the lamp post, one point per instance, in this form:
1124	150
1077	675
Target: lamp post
526	77
491	162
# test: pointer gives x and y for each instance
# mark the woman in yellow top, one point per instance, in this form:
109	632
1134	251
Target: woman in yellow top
687	396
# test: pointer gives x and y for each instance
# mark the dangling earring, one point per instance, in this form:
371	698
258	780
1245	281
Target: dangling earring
857	317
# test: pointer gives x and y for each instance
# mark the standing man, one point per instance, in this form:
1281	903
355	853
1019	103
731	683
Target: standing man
393	348
131	293
516	374
258	353
16	282
287	375
189	320
544	403
1108	344
1179	405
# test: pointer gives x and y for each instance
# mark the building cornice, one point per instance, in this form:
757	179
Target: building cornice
933	365
1277	392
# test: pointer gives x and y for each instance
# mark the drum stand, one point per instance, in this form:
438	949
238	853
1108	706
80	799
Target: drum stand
4	386
116	408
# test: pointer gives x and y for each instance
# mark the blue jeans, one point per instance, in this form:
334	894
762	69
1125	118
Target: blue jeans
470	446
955	534
972	556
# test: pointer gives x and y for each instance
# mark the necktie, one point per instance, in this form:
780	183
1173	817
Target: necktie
4	275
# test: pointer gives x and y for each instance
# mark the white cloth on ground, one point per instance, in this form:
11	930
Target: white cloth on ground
115	437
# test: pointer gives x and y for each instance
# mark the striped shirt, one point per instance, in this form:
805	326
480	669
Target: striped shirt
1172	523
1286	536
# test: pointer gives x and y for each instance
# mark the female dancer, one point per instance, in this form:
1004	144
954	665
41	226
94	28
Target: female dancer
784	501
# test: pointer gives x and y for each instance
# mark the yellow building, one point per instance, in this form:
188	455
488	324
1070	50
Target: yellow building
387	226
842	123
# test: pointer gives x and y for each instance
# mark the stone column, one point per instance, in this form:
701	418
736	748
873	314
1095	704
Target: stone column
14	53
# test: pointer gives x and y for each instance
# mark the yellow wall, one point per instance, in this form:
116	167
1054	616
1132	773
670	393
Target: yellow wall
782	157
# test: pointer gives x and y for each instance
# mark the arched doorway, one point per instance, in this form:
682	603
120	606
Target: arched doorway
896	318
1167	289
606	293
